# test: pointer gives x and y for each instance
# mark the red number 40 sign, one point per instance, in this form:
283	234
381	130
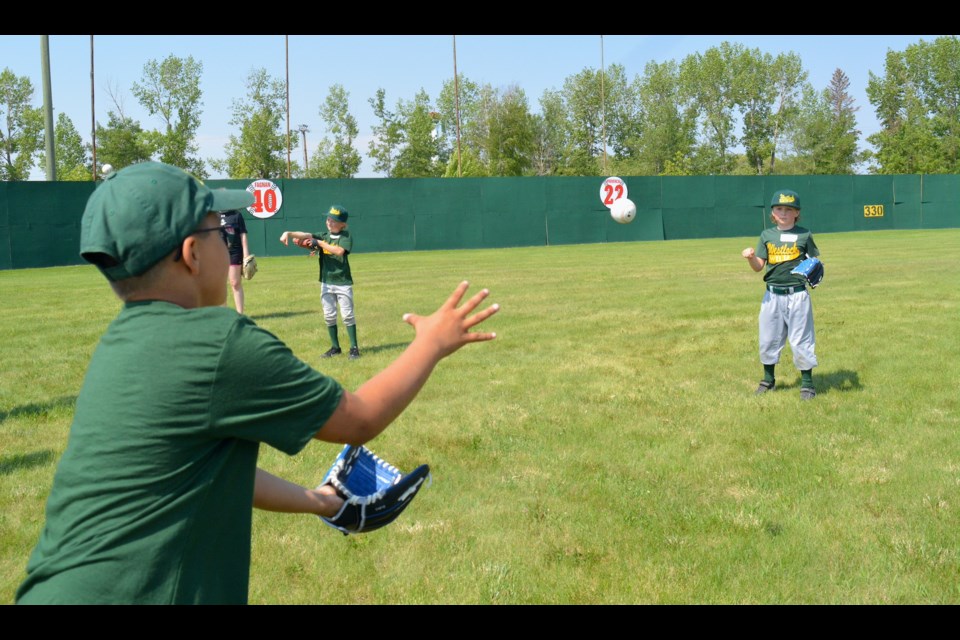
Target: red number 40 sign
267	198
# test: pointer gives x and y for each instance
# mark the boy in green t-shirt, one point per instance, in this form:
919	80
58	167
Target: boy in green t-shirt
152	499
336	282
786	312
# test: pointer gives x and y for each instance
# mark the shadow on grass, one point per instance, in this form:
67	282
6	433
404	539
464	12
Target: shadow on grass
365	350
37	410
21	461
396	346
840	380
280	314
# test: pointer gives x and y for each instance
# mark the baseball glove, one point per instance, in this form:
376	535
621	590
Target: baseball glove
307	243
810	270
374	491
249	267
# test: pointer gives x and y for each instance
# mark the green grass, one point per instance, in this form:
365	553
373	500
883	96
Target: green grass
606	447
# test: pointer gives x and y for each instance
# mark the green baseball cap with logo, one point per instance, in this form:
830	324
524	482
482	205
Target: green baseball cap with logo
141	213
785	198
338	213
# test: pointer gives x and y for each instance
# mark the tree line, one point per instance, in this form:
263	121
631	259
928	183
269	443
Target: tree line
730	110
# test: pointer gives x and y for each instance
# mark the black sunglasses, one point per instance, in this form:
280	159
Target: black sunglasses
223	236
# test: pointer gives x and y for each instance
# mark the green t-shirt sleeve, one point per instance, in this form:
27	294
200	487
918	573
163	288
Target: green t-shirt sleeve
346	242
812	249
266	394
761	250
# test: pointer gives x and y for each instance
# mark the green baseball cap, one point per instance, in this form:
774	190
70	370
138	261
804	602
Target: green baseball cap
786	198
141	213
338	213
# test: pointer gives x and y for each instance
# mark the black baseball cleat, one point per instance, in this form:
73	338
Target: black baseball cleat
807	393
333	351
764	387
354	353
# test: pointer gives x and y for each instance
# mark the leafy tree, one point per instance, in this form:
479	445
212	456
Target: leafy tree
707	81
470	166
752	80
497	129
788	80
336	158
667	125
472	101
171	90
600	112
510	134
387	136
825	136
259	150
917	101
73	160
123	141
21	127
729	81
420	154
550	135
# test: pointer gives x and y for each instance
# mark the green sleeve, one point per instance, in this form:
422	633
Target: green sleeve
265	393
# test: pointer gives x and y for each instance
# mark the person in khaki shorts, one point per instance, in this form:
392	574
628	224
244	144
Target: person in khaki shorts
786	312
336	281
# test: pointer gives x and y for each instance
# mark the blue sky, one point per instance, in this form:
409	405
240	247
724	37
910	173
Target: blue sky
401	65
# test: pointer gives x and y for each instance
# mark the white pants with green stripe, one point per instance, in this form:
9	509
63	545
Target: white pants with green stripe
787	317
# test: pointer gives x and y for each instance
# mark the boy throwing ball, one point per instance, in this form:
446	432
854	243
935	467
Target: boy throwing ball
336	281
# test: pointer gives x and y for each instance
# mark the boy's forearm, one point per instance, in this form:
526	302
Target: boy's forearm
271	493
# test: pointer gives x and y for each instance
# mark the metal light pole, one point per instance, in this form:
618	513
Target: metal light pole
93	115
286	42
48	108
603	110
303	131
456	92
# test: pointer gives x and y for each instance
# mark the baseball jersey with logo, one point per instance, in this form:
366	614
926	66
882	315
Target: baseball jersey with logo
784	250
335	269
152	500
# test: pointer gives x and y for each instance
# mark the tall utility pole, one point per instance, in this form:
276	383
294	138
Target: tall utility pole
286	41
456	93
48	108
303	132
603	109
93	115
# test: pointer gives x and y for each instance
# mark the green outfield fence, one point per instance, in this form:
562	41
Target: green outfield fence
40	221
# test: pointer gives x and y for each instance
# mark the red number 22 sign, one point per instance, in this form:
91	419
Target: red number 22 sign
611	190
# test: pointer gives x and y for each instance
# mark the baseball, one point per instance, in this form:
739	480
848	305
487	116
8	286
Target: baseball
106	169
623	211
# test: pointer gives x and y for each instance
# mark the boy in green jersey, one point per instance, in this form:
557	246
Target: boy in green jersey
152	499
336	281
786	312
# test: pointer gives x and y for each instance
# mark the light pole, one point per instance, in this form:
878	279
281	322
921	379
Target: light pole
303	132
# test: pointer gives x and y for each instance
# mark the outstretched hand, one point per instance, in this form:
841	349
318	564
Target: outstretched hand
448	328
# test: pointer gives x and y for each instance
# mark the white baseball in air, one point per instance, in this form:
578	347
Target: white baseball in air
106	169
623	211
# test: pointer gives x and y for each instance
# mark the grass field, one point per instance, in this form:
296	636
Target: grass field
606	447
